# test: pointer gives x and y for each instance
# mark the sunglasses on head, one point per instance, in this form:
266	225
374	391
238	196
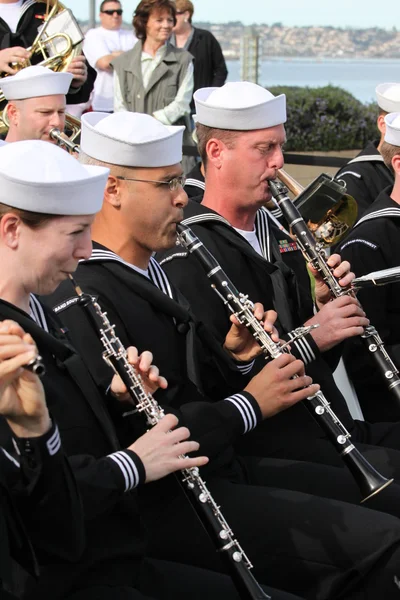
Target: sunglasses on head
110	12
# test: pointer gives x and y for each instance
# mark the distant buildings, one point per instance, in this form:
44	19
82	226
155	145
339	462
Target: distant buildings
312	42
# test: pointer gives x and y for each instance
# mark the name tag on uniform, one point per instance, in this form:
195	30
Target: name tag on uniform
286	246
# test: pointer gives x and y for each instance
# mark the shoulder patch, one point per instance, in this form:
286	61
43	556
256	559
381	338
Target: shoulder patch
359	241
286	246
65	304
183	254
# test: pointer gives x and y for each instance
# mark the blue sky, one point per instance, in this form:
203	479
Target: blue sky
339	13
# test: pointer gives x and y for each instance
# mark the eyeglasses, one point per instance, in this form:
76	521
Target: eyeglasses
173	184
110	12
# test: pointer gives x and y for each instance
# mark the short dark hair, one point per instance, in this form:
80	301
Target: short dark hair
388	152
102	5
205	134
143	12
34	220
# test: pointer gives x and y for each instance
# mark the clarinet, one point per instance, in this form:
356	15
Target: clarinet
195	489
314	253
368	479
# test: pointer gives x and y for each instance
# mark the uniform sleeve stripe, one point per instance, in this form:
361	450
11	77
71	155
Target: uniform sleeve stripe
304	349
246	367
54	443
127	467
246	410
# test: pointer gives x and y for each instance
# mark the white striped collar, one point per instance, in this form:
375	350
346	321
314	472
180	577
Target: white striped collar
25	7
366	158
155	273
383	212
37	313
195	183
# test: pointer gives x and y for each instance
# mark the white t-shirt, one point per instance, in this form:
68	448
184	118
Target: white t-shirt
10	13
100	42
251	237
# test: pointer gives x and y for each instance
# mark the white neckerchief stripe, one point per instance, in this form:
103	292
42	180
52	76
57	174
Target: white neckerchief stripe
159	278
11	458
262	233
246	410
37	313
127	468
384	212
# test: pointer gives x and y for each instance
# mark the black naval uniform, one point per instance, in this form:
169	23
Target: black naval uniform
297	435
112	566
366	176
32	15
40	510
293	529
372	245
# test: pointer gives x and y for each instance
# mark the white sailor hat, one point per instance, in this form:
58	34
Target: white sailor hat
239	105
40	177
33	82
388	96
131	139
392	134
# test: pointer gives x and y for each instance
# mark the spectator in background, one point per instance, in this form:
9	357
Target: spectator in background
154	77
209	64
102	45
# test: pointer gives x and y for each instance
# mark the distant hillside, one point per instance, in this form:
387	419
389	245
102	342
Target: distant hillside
312	42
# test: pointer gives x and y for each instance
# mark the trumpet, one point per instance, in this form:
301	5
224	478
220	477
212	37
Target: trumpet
314	254
70	136
368	479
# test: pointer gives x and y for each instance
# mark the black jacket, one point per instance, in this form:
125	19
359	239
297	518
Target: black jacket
267	281
31	19
372	245
113	529
39	499
209	63
366	176
151	316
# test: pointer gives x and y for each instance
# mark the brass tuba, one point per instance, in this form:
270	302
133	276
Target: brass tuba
328	211
58	41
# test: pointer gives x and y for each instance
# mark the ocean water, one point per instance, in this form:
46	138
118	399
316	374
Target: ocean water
359	77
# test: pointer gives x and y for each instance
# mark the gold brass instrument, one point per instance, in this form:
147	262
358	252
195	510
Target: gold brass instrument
58	41
328	211
70	136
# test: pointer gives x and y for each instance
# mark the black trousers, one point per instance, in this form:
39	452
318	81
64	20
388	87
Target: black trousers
166	580
312	546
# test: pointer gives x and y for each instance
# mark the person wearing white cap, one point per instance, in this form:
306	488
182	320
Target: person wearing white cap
36	103
46	210
373	245
143	202
366	175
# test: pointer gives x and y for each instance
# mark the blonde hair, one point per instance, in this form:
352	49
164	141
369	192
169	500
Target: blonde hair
183	6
